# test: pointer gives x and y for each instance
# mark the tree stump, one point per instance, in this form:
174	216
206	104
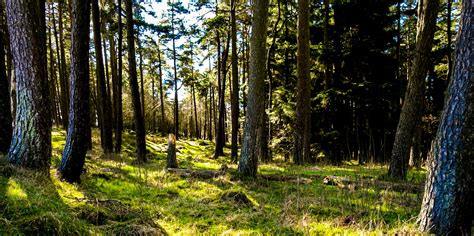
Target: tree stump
171	160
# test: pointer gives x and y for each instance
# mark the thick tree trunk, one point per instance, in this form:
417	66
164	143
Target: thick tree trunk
303	101
256	94
118	108
448	198
412	106
76	146
31	142
105	111
235	85
132	74
5	106
171	161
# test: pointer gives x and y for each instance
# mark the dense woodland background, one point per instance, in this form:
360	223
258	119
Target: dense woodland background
279	82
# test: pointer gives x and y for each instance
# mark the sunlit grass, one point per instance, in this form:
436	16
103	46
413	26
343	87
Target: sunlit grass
115	191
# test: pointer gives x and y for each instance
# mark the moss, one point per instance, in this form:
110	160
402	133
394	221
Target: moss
119	197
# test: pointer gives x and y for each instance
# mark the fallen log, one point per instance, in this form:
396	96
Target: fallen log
202	174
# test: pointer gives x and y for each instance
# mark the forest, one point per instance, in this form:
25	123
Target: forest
184	117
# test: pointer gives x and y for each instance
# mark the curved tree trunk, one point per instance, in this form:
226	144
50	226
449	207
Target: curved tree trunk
256	94
412	107
76	146
132	74
31	142
303	102
447	202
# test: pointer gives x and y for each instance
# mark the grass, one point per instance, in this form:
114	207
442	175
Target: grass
117	196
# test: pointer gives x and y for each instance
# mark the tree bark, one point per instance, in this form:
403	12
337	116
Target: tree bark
31	141
448	197
76	146
303	102
64	76
105	111
235	85
5	106
132	74
412	106
249	160
118	109
163	123
175	76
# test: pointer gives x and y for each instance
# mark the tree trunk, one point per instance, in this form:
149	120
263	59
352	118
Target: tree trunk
303	100
327	62
62	80
105	113
412	106
118	109
448	197
256	94
132	74
5	106
171	161
175	75
31	141
163	123
64	75
76	146
235	85
142	83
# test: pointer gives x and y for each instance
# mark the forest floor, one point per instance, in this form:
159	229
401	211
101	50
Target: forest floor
118	196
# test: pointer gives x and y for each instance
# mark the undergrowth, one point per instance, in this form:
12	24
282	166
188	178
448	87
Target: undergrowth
117	196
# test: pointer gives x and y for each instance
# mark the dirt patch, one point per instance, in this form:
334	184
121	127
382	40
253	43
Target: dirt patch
236	197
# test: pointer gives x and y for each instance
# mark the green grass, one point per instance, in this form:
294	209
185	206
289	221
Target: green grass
117	196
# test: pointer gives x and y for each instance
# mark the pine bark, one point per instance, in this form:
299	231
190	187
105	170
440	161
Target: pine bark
448	197
31	141
105	111
76	146
256	95
412	107
132	74
118	106
303	102
235	85
5	106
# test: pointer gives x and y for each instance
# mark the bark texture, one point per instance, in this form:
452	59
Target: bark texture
118	104
412	106
105	111
31	142
235	86
5	106
132	74
447	202
301	152
76	146
256	94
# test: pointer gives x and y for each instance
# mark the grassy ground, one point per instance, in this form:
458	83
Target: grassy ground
117	196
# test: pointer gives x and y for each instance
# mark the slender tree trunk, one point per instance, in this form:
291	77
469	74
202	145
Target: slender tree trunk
31	141
303	102
118	110
76	146
142	84
132	74
235	85
448	196
249	160
448	34
220	133
162	101
62	80
327	64
5	106
105	113
412	106
64	75
176	105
